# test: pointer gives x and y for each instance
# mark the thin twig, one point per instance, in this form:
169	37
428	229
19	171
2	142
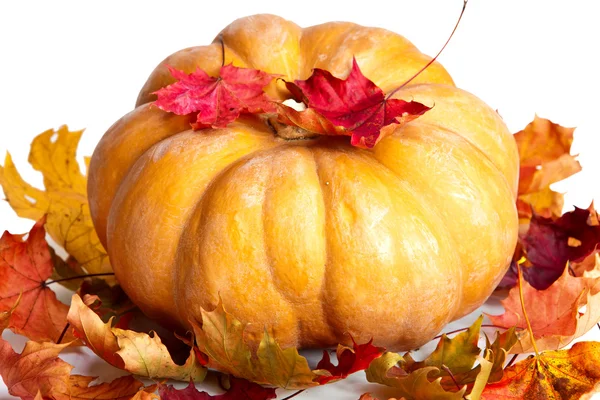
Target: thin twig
79	277
222	50
63	333
294	394
436	56
445	368
512	360
520	272
464	329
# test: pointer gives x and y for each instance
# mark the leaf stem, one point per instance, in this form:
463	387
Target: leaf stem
520	275
512	360
445	368
222	50
63	333
294	394
464	7
464	329
79	277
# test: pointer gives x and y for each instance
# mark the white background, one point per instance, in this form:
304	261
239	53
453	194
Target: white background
83	63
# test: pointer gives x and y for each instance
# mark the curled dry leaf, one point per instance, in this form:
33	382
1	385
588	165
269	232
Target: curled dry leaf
25	265
549	244
64	200
221	338
544	152
356	104
108	301
349	361
413	386
554	313
38	372
217	100
562	374
240	389
135	352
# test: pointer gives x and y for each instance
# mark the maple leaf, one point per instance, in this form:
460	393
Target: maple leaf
64	201
457	354
451	366
349	361
221	338
240	389
25	265
135	352
544	152
355	104
38	372
554	313
562	374
218	100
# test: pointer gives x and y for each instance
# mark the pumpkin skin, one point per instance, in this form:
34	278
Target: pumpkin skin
313	238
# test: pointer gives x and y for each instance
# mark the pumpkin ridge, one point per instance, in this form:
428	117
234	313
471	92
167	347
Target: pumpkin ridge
435	208
470	143
323	292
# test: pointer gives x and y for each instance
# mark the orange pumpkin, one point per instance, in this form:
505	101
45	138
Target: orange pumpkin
313	238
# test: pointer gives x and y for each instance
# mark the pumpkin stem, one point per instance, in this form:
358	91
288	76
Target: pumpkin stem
289	132
464	7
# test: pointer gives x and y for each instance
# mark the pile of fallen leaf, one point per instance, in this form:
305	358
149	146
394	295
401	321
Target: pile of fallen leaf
555	274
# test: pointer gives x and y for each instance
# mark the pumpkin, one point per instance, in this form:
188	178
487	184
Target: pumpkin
315	239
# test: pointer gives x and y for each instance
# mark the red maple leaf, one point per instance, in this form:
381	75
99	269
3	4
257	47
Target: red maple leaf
25	265
355	103
218	100
240	389
349	361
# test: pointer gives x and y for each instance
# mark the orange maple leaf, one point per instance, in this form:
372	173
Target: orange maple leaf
544	152
554	313
25	265
562	374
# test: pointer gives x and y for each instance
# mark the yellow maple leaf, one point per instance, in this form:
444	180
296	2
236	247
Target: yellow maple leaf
64	199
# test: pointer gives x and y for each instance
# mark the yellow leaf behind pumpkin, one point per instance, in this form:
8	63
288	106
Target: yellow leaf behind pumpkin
53	153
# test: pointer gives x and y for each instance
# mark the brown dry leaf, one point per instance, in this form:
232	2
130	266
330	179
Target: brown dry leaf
563	374
544	152
221	338
64	200
135	352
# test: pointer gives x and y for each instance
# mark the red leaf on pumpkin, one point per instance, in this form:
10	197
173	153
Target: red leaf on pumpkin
25	265
349	361
218	100
240	389
356	104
